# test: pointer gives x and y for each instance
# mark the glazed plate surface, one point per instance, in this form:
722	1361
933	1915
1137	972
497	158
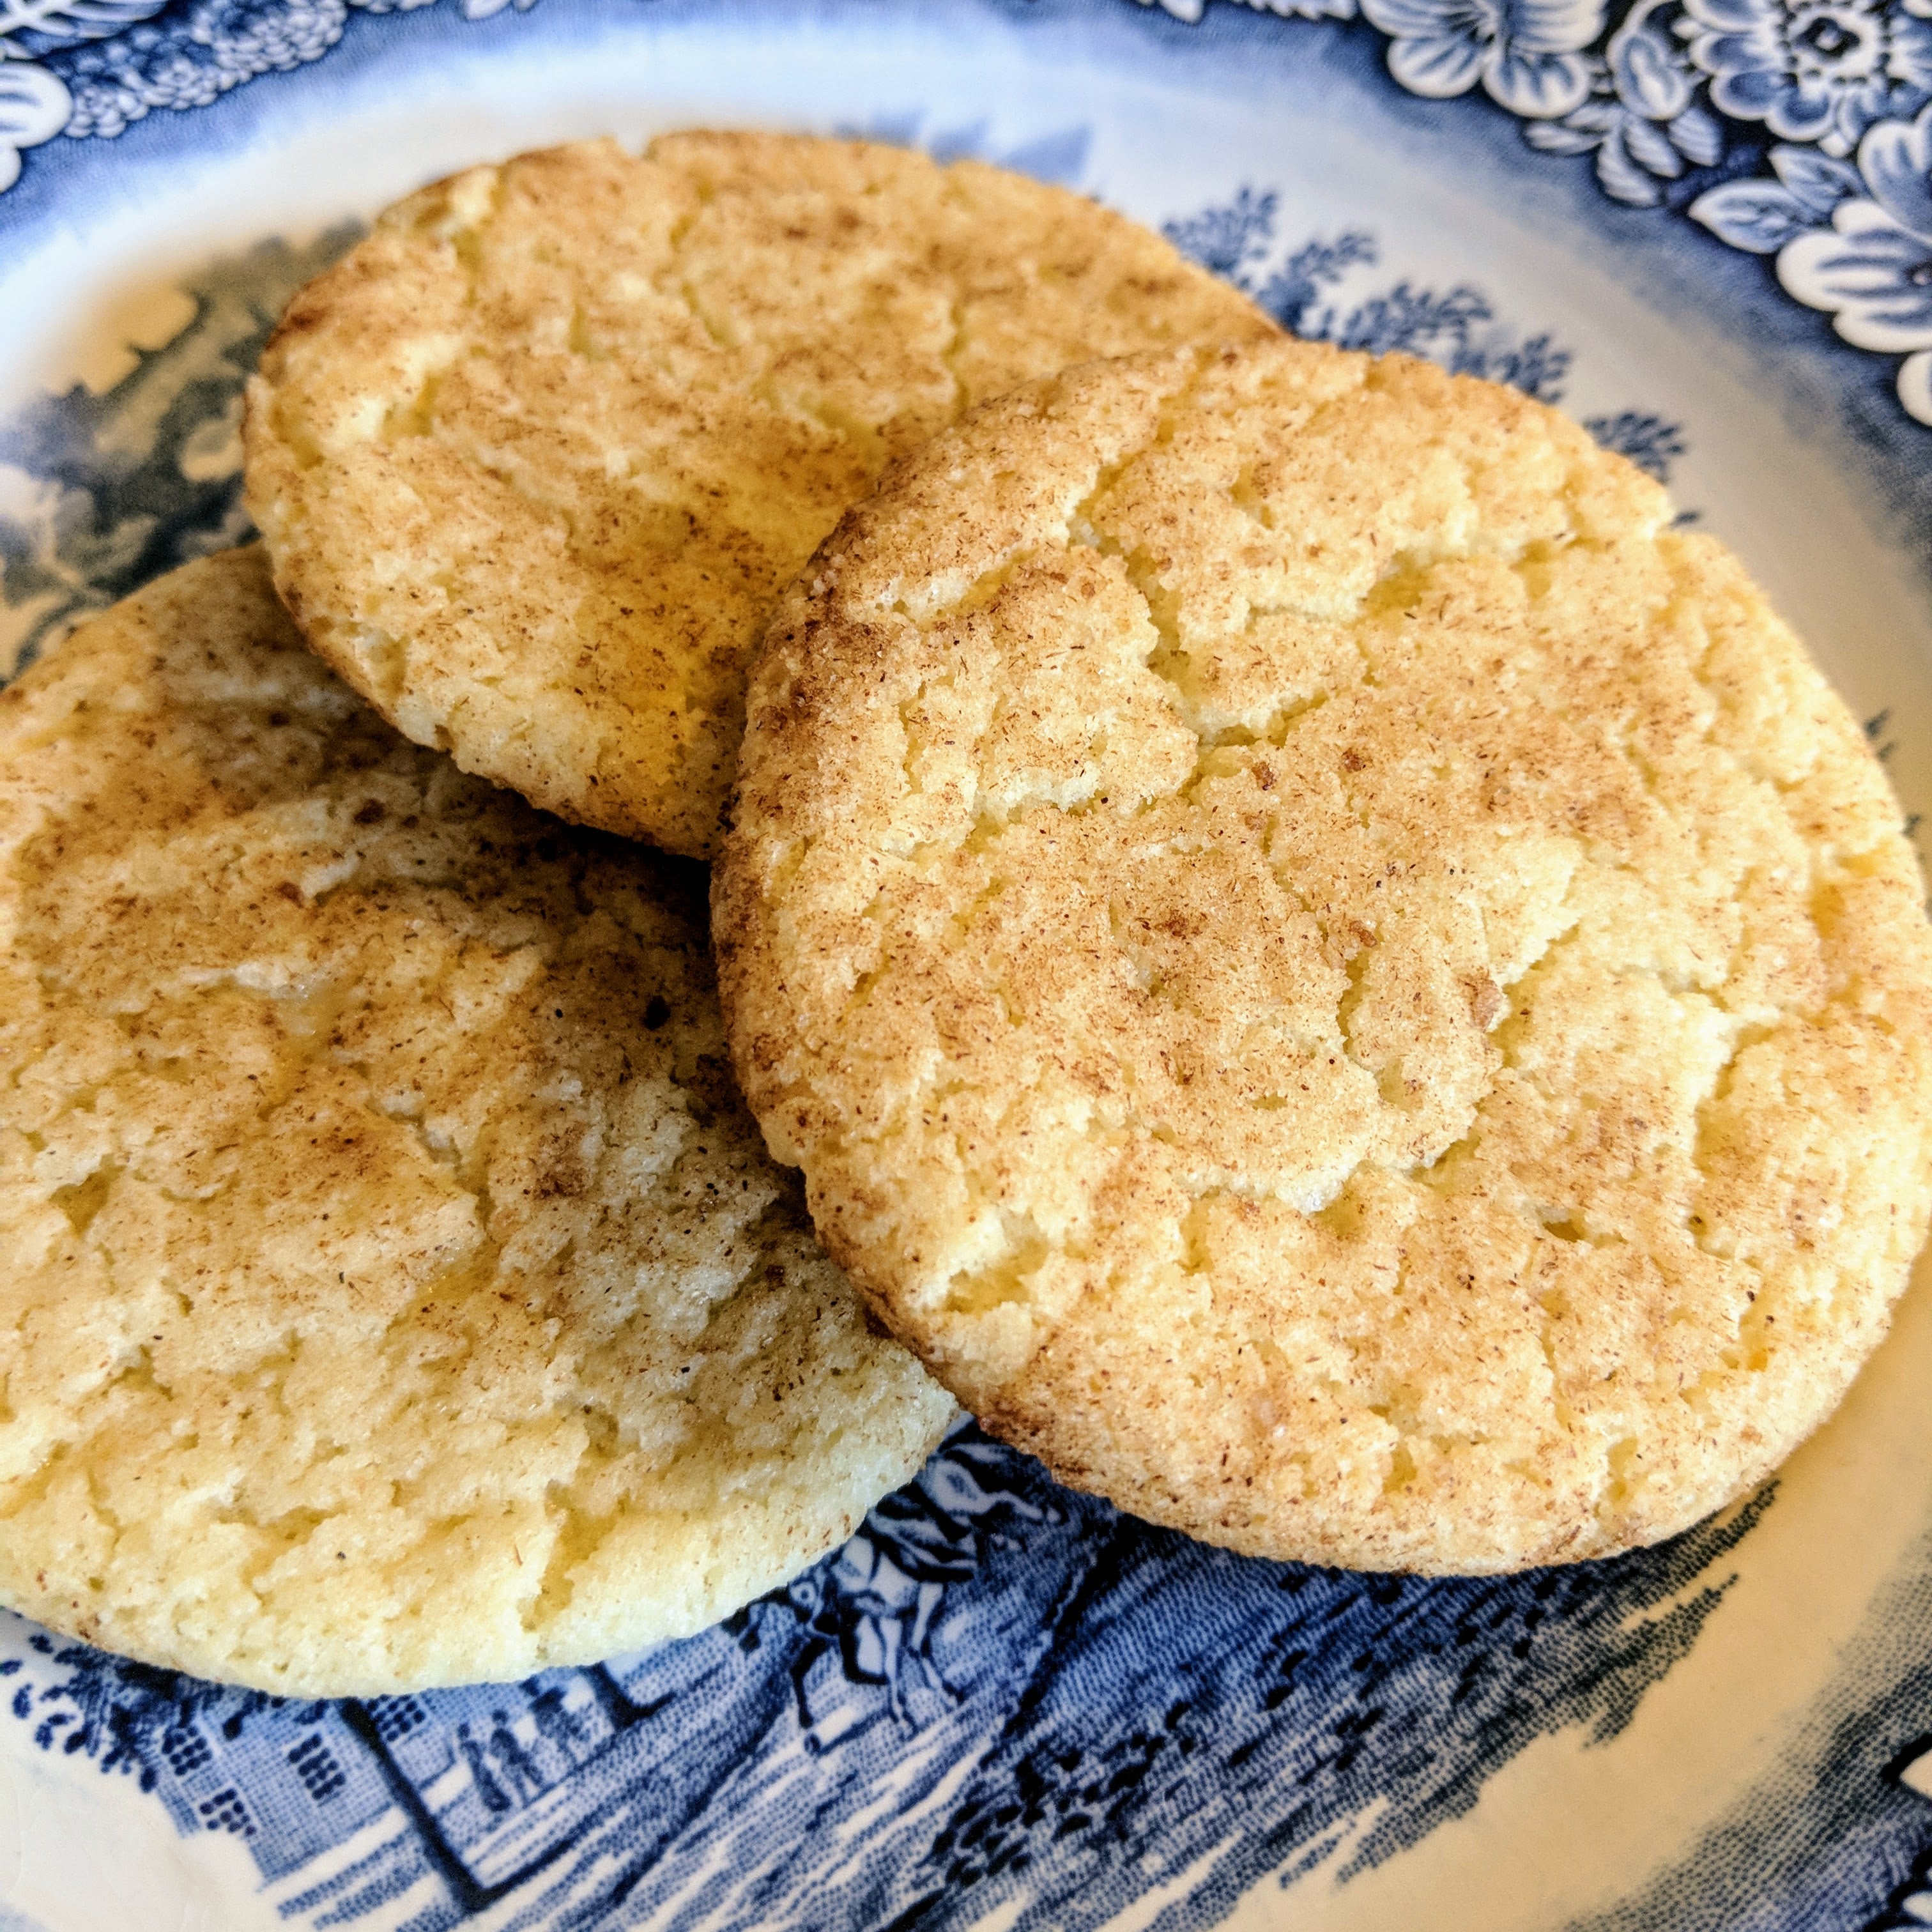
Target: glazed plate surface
1702	226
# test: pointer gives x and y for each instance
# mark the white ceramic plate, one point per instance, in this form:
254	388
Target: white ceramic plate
1703	226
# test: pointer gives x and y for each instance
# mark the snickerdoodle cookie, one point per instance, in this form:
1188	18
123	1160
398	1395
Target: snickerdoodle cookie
1340	979
395	1292
534	460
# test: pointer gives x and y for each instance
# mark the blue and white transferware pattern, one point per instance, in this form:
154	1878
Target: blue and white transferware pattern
1705	226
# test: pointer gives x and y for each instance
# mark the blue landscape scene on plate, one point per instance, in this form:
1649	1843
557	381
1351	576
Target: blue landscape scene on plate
1000	1701
997	1685
1047	1691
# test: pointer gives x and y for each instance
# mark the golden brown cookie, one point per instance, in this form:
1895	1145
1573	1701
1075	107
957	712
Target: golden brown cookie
1338	979
395	1292
534	460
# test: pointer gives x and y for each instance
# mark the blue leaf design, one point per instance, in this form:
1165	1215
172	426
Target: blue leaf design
1621	175
1650	442
1650	147
1289	295
1649	73
1563	137
1817	182
1227	240
1418	322
1699	135
1600	117
41	26
1759	217
1539	86
1896	159
1537	367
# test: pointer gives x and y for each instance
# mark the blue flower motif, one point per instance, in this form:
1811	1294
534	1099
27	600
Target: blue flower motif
1760	216
1528	54
1643	121
1871	269
1815	70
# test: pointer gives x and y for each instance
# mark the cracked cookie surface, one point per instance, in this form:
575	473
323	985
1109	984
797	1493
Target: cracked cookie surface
396	1292
534	460
1340	981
